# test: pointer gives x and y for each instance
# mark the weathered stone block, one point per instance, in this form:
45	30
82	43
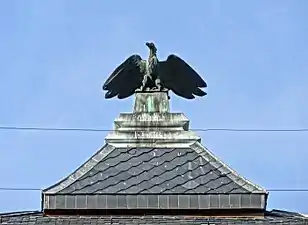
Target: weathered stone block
152	102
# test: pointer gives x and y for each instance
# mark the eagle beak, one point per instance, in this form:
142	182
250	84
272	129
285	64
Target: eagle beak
147	44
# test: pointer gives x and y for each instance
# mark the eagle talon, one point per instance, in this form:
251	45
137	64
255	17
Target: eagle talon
141	89
138	90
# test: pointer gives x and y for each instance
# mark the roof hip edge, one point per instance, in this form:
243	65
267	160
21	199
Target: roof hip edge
225	169
83	169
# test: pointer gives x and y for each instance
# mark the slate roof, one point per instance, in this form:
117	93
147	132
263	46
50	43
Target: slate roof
153	170
37	218
154	178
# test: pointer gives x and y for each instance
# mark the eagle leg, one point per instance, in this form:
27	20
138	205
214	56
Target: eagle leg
145	81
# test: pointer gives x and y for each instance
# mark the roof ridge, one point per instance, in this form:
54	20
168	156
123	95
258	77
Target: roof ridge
284	213
19	213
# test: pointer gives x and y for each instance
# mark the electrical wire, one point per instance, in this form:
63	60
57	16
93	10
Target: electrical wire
107	130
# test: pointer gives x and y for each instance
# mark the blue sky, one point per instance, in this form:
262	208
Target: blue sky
56	54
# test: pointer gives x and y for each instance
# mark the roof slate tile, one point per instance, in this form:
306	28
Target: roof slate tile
151	170
183	171
37	218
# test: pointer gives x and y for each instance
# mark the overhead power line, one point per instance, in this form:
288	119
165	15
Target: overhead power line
270	190
19	189
107	130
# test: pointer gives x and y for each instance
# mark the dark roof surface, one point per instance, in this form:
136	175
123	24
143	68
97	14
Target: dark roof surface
37	218
157	178
153	170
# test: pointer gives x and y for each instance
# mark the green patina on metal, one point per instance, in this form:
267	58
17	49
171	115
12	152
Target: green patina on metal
150	104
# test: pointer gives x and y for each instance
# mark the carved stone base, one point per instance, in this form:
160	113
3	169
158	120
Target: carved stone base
148	102
151	124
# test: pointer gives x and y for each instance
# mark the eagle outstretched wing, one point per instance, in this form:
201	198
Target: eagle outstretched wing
178	76
125	79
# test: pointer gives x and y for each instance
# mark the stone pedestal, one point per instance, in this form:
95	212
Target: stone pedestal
151	124
157	102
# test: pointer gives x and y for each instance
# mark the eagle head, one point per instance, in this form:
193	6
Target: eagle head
151	46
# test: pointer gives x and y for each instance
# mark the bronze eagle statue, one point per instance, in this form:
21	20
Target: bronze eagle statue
138	75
